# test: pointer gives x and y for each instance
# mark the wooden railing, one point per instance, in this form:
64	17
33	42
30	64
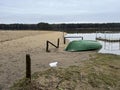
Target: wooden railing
48	42
72	37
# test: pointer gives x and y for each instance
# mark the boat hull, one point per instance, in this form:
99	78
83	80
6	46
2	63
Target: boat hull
83	45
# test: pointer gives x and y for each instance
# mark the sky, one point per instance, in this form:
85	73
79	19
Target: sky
59	11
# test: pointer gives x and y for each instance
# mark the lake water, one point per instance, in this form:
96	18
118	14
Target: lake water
107	47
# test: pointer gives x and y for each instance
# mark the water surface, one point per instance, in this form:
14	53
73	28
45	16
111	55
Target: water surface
107	47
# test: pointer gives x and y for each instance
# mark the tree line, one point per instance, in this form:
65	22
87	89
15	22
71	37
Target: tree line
39	26
63	27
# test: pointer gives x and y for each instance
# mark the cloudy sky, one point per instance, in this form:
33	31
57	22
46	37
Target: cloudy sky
59	11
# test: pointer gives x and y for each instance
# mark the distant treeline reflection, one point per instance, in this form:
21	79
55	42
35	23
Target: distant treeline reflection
70	28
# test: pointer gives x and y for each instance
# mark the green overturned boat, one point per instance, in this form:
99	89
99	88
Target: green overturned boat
83	45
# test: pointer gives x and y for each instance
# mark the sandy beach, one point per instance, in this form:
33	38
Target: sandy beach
14	45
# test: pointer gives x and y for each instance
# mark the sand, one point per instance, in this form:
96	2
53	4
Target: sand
14	45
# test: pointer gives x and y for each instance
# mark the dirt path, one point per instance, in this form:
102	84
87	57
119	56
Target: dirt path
12	56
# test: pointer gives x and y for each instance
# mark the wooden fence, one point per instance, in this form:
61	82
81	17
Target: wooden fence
50	43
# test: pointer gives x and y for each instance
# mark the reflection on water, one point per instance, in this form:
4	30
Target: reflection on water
107	47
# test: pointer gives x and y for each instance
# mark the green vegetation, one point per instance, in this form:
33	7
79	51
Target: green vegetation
100	72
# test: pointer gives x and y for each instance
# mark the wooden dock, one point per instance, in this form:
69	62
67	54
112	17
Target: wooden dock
108	40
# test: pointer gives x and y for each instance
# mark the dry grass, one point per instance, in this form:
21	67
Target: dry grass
101	72
8	35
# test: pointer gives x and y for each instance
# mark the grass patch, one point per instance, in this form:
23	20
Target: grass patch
101	72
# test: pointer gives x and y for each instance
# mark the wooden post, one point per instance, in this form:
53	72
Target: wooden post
63	34
47	46
82	38
105	34
28	67
119	44
64	40
96	34
105	44
58	42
